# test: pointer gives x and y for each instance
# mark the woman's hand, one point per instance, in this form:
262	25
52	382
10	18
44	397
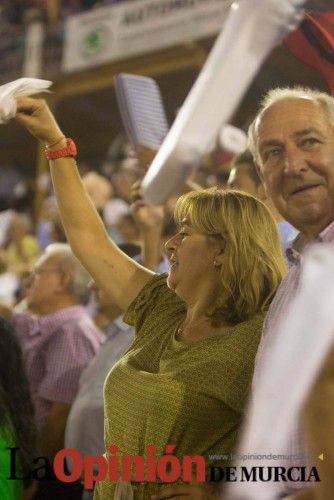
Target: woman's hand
36	117
193	491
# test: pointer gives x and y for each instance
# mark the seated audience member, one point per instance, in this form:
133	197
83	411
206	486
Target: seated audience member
244	176
84	429
21	248
186	377
58	340
17	429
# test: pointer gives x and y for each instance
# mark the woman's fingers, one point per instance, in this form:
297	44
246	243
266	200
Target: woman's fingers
135	191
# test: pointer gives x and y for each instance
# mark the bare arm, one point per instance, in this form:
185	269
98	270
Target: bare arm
115	273
52	435
151	248
150	220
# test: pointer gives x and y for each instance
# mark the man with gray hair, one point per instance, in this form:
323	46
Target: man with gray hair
292	141
58	339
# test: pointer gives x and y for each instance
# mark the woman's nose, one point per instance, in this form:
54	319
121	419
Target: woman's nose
171	244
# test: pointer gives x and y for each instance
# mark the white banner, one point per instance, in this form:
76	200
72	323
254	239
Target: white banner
136	27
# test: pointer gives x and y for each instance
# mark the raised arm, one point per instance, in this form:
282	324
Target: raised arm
150	220
115	273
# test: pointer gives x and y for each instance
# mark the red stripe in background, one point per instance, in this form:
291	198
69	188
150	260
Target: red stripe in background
313	43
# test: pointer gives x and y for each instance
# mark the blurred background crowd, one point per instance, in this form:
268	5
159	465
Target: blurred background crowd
112	168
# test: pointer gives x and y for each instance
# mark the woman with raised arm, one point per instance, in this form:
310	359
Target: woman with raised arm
186	378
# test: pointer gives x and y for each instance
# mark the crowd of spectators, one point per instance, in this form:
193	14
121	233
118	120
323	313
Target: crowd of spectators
71	333
25	234
16	16
18	12
178	366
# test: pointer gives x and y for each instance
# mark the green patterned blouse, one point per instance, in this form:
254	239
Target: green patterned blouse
164	391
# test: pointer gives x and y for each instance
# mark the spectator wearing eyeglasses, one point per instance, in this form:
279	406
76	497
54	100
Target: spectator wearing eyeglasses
58	340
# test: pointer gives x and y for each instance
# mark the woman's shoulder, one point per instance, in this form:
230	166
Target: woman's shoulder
249	330
255	321
156	298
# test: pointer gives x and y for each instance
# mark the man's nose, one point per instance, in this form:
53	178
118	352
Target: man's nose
294	161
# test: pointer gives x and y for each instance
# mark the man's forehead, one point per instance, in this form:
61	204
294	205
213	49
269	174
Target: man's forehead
290	115
284	107
46	259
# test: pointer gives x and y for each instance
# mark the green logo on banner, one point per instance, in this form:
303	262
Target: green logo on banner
94	41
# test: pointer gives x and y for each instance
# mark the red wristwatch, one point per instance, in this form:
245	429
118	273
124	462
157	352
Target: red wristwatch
70	150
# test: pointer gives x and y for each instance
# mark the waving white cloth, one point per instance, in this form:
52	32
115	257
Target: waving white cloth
17	88
252	29
306	337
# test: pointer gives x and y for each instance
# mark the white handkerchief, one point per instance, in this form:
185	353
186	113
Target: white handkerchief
20	87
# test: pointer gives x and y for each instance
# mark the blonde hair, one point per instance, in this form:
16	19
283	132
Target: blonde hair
253	265
279	94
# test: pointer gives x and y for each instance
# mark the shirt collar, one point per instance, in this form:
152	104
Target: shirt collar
49	322
326	236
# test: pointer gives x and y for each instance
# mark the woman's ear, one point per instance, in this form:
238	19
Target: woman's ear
219	253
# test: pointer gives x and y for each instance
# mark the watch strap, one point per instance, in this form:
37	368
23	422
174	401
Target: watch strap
69	150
